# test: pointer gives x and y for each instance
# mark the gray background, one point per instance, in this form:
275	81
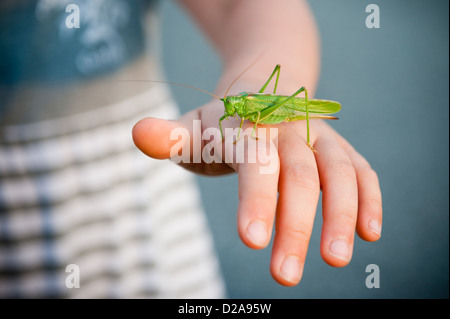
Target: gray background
393	85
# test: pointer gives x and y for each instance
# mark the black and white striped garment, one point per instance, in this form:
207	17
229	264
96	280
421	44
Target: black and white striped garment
76	191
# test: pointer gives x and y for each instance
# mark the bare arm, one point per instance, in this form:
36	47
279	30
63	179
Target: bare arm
242	30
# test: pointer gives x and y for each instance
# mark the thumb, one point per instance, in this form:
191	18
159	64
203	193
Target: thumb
152	137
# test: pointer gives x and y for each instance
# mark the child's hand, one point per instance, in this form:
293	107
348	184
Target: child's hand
351	193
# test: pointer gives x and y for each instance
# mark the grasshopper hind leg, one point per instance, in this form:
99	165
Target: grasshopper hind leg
275	71
312	148
308	141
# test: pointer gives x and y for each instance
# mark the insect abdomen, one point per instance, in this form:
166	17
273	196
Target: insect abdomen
258	102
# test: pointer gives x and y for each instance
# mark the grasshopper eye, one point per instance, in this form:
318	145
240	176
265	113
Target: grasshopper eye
228	100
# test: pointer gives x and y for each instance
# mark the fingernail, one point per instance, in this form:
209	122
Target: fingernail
340	249
375	226
291	269
257	233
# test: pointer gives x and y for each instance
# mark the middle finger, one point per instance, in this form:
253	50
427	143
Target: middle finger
299	190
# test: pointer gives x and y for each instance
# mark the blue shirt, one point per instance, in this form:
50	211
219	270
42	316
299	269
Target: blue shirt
39	43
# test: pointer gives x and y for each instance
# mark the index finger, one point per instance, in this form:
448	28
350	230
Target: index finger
257	197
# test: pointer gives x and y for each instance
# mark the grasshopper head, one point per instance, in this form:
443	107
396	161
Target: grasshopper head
233	104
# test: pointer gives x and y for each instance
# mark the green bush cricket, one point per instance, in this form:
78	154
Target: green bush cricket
263	108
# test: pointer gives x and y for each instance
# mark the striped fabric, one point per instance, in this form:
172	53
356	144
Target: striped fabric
76	190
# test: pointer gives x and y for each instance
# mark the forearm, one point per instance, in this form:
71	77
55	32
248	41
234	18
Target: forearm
284	32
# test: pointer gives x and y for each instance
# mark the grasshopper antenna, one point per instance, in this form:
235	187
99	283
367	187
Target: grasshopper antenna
177	84
242	73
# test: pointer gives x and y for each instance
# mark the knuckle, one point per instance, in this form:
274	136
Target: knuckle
298	232
369	174
261	199
304	174
343	167
346	218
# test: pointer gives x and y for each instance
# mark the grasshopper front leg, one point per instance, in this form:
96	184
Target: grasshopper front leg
221	129
239	131
220	125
